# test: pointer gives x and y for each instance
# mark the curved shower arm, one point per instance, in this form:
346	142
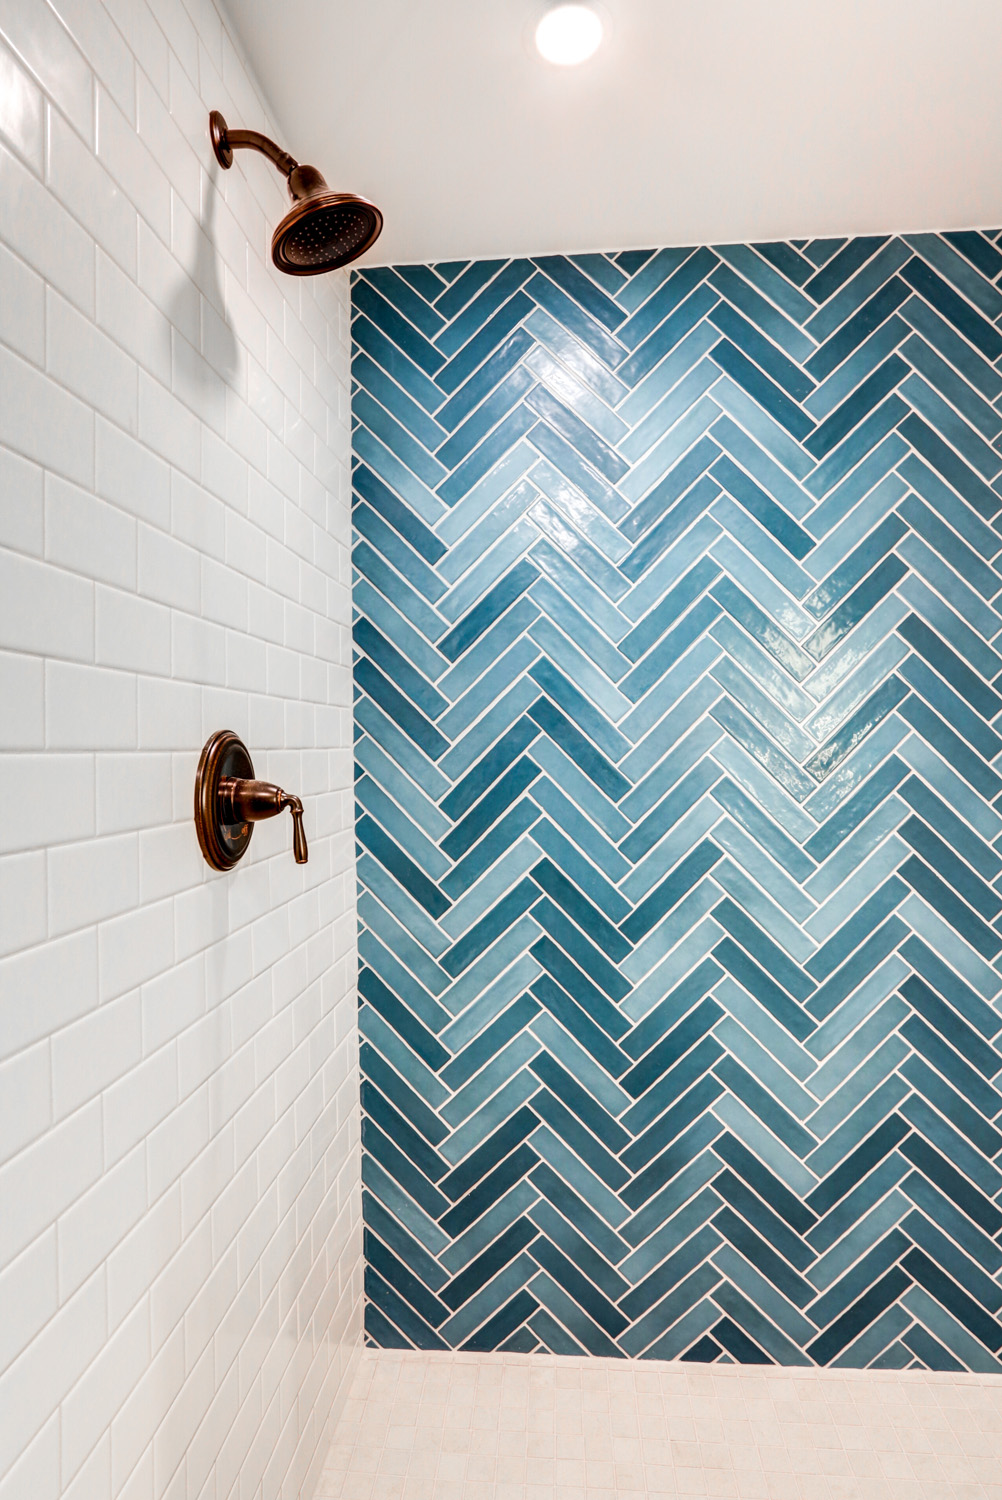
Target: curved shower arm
226	141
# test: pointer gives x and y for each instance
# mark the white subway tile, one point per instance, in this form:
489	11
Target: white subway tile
138	1101
87	535
200	1456
175	1144
101	1392
153	1021
84	359
25	1099
131	632
92	881
22	693
44	1179
135	1264
44	609
21	504
129	317
133	790
23	915
22	307
46	987
245	660
168	285
169	861
132	165
35	34
93	1477
89	707
36	1472
174	1290
146	40
129	474
29	1295
197	384
42	421
224	472
167	426
103	46
198	649
135	947
224	595
22	114
47	799
178	1427
170	714
80	183
40	230
89	1231
92	1053
139	1484
173	153
132	1430
197	517
204	1180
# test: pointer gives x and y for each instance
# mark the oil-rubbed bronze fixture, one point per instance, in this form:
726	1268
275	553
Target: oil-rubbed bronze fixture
323	230
228	802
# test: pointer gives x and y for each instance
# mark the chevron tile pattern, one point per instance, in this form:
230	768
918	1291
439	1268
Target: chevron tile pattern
678	694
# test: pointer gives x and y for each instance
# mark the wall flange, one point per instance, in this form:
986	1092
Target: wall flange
228	802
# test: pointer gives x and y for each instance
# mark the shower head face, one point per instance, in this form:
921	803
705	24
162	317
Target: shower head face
323	231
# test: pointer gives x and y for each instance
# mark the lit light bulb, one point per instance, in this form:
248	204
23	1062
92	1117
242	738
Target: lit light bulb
568	34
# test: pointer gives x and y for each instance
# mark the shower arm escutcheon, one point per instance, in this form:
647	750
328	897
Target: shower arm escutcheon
229	801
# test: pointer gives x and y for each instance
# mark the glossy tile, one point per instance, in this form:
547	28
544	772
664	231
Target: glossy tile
689	661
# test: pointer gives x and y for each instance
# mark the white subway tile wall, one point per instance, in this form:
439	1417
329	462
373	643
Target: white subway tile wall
180	1247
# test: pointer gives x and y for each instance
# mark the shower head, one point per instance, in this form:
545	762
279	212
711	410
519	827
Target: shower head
323	230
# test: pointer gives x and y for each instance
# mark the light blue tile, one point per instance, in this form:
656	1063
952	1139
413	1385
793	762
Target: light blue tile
623	570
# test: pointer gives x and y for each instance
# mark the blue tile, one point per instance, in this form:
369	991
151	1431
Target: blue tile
677	934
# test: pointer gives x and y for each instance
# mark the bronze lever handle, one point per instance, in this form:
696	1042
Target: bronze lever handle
245	801
229	801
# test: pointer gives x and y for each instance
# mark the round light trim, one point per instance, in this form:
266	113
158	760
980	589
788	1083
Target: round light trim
568	34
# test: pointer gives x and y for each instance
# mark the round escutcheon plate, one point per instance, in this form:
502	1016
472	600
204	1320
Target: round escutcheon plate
225	754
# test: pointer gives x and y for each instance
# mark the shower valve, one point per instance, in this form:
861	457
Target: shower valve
229	801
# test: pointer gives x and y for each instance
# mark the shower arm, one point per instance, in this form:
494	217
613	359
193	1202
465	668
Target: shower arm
226	141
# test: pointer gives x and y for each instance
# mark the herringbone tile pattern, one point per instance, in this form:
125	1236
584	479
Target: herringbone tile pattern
678	797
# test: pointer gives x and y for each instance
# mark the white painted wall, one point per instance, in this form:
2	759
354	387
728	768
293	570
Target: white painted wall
180	1275
695	123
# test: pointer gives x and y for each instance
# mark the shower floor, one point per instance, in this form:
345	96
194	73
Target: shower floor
537	1427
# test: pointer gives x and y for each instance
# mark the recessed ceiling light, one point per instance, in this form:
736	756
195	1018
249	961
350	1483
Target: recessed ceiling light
568	34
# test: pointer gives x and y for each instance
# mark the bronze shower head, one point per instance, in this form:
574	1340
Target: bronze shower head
323	230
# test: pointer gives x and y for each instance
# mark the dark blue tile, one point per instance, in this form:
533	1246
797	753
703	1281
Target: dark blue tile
762	390
567	276
842	343
826	282
951	466
954	308
367	300
483	344
951	747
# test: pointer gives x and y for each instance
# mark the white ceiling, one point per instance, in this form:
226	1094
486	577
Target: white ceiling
698	121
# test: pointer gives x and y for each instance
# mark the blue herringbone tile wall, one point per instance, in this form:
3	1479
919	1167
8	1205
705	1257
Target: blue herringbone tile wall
677	688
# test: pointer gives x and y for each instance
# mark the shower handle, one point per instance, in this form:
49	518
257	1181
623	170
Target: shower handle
229	801
245	801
